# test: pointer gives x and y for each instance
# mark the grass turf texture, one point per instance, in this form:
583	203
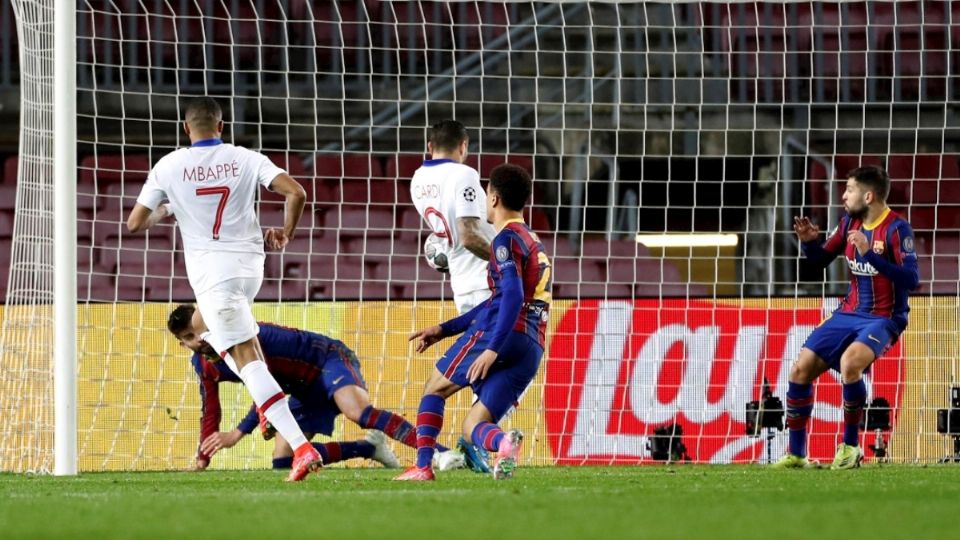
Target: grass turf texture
539	503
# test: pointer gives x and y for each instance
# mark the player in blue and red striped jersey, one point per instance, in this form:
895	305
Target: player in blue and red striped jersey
877	245
321	373
503	338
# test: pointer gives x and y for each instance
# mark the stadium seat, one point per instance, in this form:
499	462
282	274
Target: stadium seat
250	35
603	249
380	246
576	270
939	274
10	170
6	224
376	191
6	255
485	163
537	219
479	23
423	290
404	165
836	36
412	226
754	42
925	166
104	169
912	46
336	166
355	221
290	162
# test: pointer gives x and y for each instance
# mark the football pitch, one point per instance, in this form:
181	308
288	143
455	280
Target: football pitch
539	503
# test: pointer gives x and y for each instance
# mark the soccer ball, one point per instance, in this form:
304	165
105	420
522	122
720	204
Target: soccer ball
435	249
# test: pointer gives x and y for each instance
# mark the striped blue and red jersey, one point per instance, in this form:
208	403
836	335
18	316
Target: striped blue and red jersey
520	275
880	280
294	357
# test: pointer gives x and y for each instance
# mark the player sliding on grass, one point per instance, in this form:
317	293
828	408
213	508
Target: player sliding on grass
321	373
503	338
211	187
878	247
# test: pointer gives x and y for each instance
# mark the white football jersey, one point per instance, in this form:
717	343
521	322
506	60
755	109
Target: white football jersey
212	189
443	191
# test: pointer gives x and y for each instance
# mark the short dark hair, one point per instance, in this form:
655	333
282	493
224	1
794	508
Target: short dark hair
203	113
180	319
513	184
875	178
448	135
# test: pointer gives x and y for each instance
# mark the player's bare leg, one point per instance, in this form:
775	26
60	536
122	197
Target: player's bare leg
429	424
803	372
854	361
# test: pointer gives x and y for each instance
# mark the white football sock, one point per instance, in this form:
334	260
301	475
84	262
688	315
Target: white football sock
262	386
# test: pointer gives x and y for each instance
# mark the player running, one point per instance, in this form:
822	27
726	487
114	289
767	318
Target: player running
211	187
878	247
503	339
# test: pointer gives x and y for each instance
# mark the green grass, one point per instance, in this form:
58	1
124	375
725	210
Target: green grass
540	503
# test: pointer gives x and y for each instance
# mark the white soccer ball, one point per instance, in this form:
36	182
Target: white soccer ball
435	249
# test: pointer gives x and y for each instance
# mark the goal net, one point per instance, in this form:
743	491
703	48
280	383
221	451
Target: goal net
671	145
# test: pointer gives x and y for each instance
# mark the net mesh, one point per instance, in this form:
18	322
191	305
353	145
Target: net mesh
698	117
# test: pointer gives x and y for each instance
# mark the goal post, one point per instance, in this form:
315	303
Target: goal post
65	237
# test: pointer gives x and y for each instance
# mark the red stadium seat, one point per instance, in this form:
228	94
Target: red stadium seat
753	38
6	224
290	162
939	274
837	39
10	170
602	249
8	198
403	165
106	169
487	162
926	166
377	191
362	166
412	226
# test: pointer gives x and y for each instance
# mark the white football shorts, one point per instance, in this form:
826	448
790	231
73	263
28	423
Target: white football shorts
227	311
466	302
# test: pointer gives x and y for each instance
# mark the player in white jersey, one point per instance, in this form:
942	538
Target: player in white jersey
449	197
211	188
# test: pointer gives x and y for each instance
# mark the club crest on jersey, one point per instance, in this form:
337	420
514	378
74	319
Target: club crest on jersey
878	247
470	194
502	253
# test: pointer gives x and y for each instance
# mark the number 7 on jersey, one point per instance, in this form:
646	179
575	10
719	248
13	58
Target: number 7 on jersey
224	193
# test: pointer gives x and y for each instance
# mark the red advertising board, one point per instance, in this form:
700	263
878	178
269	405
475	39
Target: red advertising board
619	369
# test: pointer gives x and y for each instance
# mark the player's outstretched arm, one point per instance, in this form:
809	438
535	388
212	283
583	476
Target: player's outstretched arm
426	337
809	233
296	198
142	218
471	236
220	440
